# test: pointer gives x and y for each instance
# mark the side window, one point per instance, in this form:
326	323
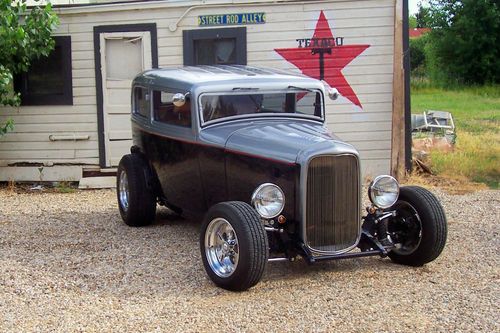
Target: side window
48	80
215	46
166	112
141	101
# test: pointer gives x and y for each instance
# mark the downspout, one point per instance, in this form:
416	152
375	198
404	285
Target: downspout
407	70
173	26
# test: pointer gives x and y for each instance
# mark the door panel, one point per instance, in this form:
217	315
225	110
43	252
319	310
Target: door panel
177	165
117	146
123	55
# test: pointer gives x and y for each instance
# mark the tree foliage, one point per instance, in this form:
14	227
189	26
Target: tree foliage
417	56
423	16
464	45
25	35
412	22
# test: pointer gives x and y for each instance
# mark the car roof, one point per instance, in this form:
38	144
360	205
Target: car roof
188	76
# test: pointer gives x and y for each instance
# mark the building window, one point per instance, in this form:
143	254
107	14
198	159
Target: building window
166	112
48	81
141	101
225	46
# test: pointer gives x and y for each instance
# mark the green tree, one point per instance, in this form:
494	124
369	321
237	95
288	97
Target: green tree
464	45
423	16
412	22
417	56
25	35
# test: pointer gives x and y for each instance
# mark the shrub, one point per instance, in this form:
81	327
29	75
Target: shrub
25	35
464	45
417	56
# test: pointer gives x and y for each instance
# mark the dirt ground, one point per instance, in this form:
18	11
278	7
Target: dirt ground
68	263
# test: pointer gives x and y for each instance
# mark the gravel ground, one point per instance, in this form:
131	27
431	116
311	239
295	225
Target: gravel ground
68	263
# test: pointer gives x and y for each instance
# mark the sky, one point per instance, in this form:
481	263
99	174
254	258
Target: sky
413	5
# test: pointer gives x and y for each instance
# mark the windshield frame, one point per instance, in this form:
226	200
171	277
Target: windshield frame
252	116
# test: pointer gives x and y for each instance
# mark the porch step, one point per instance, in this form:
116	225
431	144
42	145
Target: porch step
97	182
99	172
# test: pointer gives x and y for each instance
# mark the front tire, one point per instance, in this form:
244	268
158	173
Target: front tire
419	229
136	201
234	246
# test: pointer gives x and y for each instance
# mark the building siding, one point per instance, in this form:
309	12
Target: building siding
359	22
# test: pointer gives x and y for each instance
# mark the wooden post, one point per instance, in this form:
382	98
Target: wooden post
398	97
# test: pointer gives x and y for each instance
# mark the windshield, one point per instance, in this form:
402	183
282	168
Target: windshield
300	103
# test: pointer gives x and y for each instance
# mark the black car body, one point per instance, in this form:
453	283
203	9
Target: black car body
248	149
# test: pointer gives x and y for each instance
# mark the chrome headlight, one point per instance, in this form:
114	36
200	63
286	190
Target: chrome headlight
269	200
383	191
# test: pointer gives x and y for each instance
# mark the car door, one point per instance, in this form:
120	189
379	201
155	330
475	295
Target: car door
172	149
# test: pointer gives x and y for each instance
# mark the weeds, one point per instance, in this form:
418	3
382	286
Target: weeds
64	187
476	112
11	186
476	157
452	185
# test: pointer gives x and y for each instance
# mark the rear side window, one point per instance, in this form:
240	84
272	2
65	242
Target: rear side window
141	101
166	112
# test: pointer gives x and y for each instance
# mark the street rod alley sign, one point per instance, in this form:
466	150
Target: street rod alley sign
231	19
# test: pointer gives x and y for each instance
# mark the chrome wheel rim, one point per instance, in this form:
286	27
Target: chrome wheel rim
221	247
123	191
409	227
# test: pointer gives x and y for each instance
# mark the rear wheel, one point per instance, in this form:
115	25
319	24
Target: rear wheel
234	246
419	229
136	200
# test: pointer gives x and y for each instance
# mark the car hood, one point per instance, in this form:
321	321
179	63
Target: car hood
281	140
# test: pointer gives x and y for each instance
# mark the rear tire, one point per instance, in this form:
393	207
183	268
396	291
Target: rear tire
420	227
136	200
234	246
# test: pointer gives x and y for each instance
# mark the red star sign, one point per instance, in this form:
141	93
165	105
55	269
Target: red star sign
335	58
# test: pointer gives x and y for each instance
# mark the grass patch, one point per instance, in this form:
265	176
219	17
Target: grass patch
64	187
476	112
454	185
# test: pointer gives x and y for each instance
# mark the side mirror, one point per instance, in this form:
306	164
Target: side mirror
179	99
333	93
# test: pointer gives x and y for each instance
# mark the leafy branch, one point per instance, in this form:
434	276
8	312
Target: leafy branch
25	36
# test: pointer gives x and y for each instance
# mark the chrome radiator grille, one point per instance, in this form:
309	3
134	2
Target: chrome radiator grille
332	203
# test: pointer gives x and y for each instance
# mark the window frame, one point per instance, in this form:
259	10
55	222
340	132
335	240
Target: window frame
153	111
66	98
204	123
190	36
134	106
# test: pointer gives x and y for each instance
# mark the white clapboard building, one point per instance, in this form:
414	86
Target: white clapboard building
74	119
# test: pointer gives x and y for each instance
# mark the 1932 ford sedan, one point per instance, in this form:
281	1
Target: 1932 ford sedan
248	149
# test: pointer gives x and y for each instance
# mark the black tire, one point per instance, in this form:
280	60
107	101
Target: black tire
433	230
139	208
253	249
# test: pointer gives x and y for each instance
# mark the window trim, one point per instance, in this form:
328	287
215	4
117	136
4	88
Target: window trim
204	123
64	42
134	106
163	123
190	36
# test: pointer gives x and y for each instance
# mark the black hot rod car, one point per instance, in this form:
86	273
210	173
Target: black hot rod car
247	148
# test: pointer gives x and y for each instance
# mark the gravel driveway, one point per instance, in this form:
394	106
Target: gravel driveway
68	263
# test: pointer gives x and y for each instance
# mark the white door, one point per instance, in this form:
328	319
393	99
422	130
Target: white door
123	55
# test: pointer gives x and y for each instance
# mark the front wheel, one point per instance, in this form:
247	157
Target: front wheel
419	228
234	246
